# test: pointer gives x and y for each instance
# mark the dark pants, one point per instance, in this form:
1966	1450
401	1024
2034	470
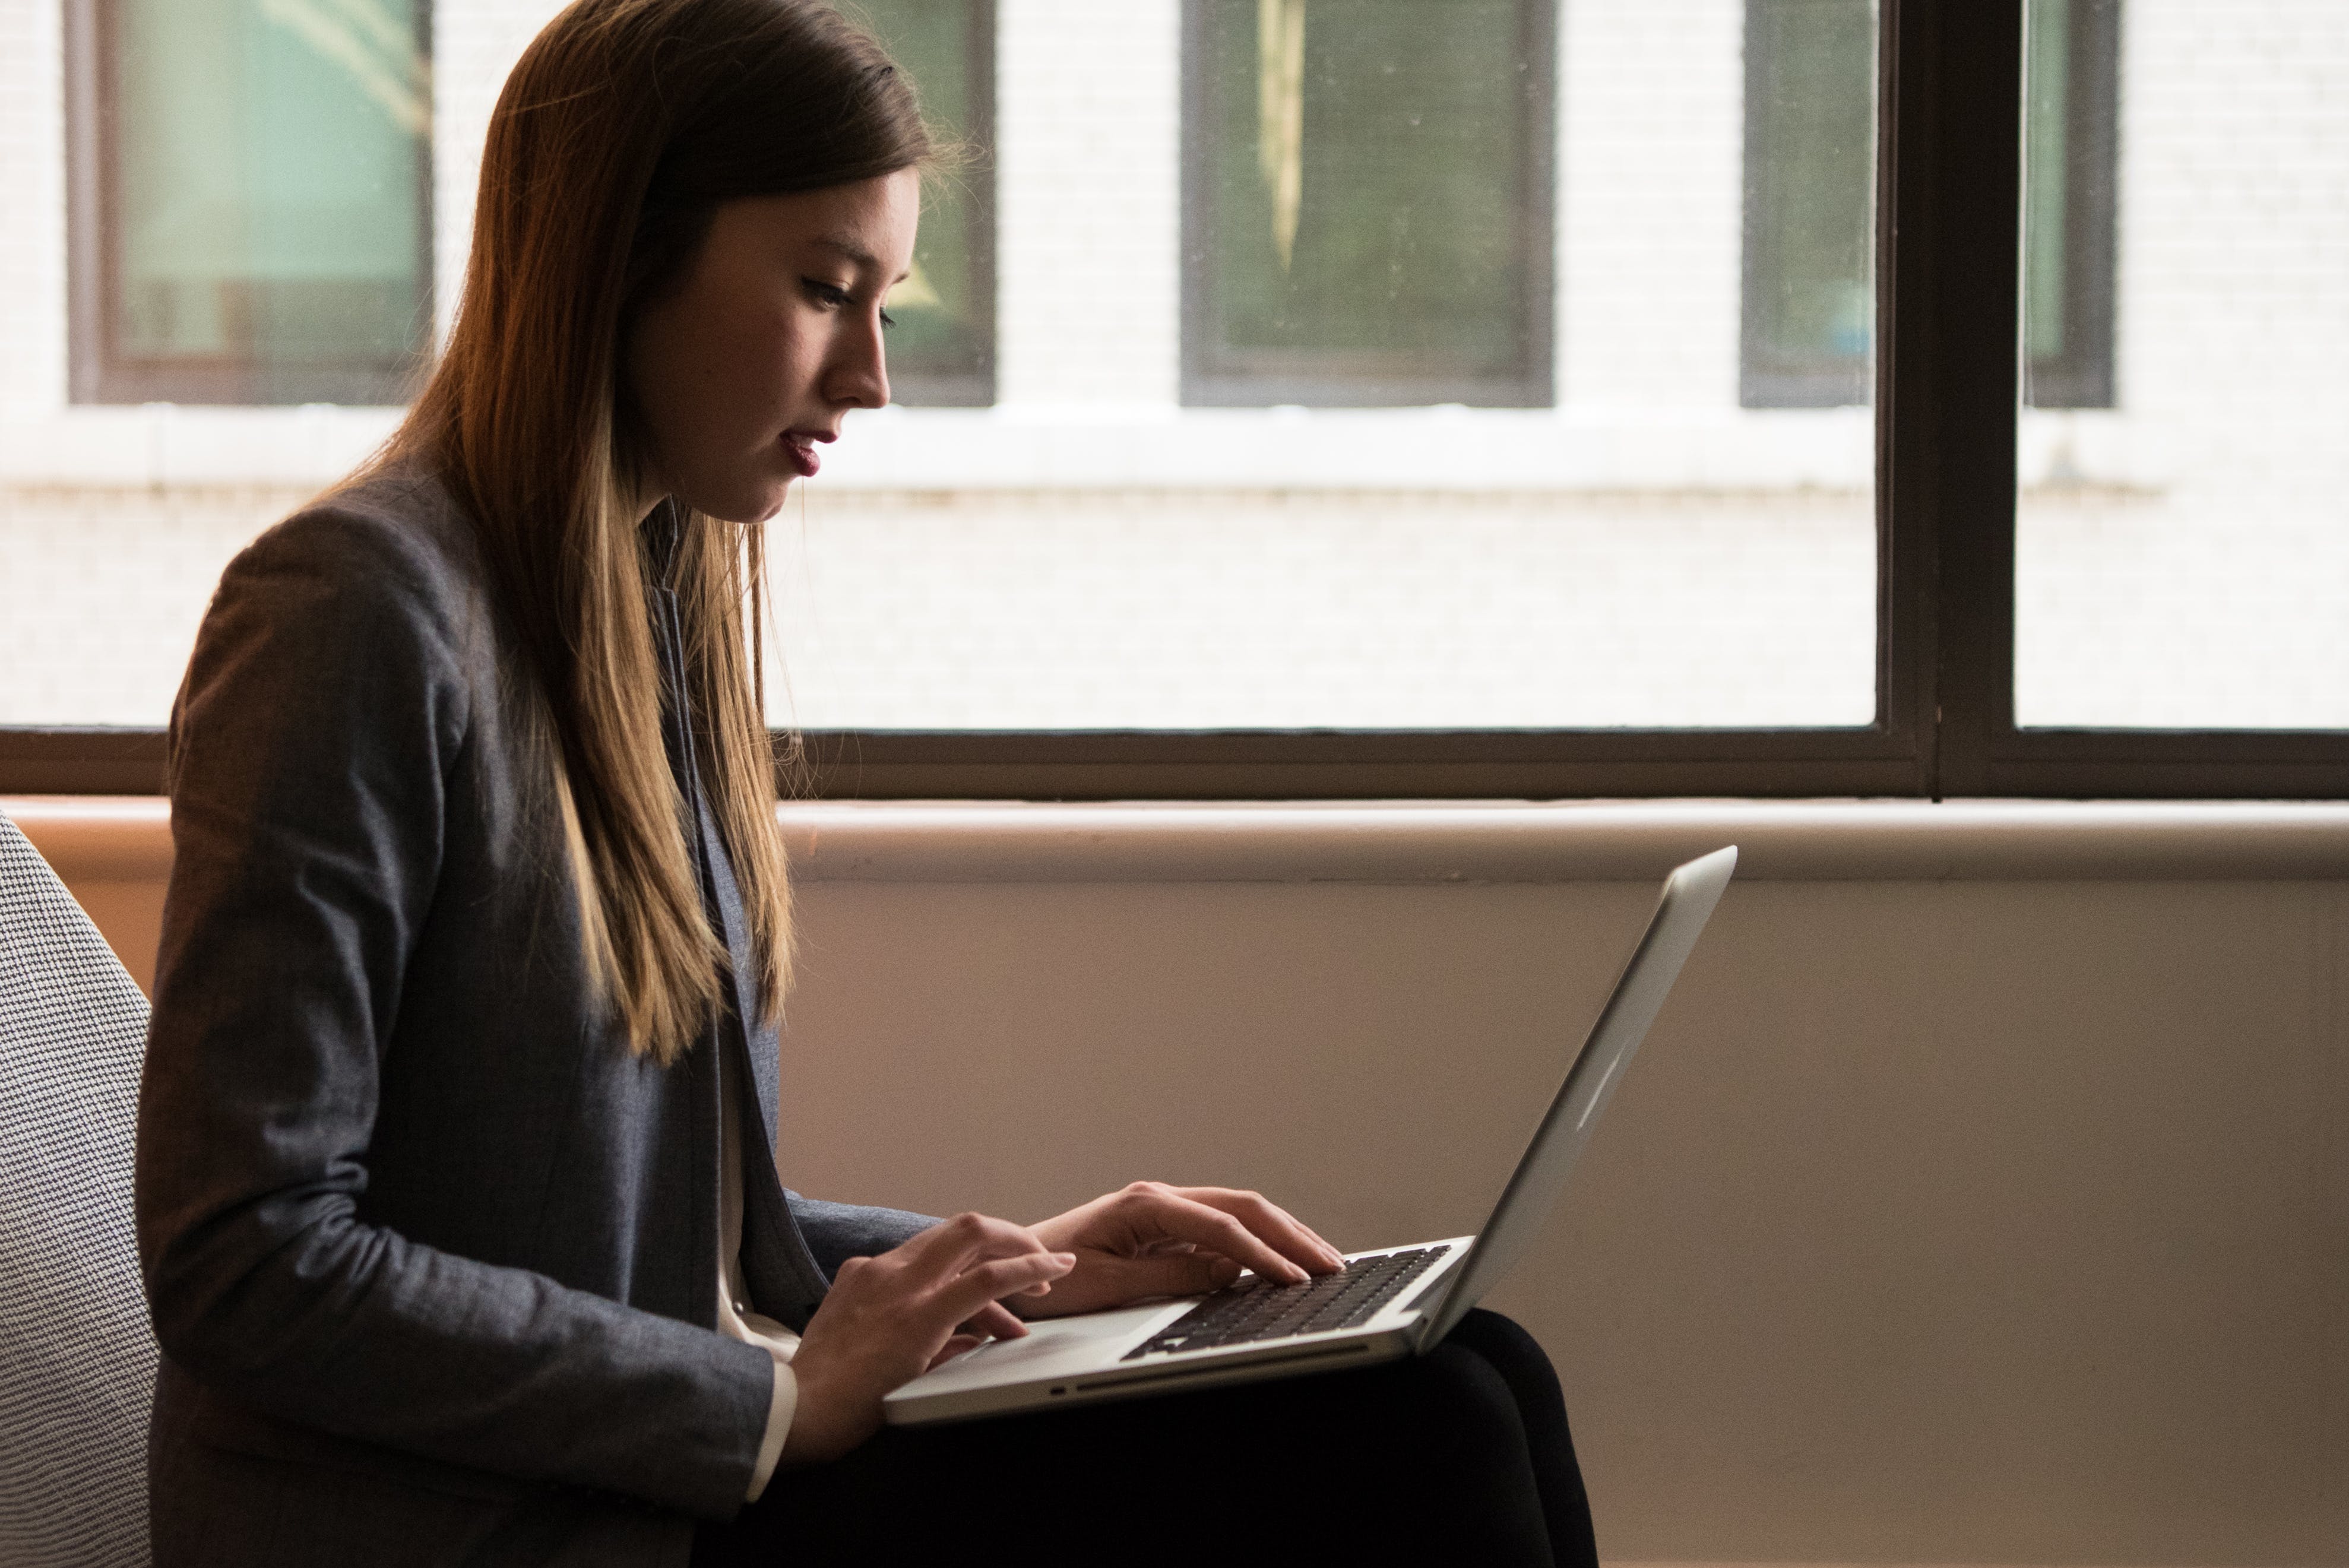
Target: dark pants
1458	1456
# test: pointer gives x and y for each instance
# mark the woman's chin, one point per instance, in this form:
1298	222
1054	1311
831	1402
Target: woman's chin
773	502
752	504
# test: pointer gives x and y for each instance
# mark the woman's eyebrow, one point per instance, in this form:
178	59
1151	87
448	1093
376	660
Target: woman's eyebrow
857	256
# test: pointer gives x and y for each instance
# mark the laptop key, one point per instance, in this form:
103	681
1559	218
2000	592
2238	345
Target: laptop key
1261	1310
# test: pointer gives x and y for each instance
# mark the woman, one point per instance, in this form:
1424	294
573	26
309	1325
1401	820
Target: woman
461	1234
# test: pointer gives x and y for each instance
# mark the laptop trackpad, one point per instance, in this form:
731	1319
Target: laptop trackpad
1055	1344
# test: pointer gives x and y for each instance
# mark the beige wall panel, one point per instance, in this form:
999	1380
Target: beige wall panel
129	916
1991	1222
1987	1221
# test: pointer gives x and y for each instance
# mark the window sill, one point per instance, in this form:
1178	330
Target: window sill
128	838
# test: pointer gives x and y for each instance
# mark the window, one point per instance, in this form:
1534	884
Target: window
2182	563
1367	203
1810	231
1810	126
252	221
2071	120
942	351
1637	555
2112	568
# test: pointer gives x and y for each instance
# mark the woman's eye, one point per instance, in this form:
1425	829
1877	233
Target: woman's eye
829	294
887	320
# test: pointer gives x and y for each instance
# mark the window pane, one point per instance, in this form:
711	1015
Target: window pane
2046	66
1644	554
942	350
1810	129
2070	66
268	201
2181	556
1370	217
1810	240
1090	553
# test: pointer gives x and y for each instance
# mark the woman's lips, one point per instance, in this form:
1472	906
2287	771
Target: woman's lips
800	450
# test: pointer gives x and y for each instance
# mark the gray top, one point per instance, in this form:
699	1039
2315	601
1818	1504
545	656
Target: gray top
428	1250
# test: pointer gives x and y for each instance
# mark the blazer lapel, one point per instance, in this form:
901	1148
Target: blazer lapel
785	1281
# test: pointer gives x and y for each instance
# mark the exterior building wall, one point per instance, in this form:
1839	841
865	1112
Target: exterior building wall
103	587
33	186
1089	205
1310	608
2180	556
474	44
1651	132
2207	577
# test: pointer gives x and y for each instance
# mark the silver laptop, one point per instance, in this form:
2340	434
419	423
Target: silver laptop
1387	1303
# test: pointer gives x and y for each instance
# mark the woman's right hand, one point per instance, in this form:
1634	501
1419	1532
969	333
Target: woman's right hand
888	1319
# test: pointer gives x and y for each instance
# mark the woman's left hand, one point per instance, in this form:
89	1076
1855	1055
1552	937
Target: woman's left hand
1151	1239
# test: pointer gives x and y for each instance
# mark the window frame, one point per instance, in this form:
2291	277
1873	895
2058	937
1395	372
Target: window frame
1950	139
98	371
1216	378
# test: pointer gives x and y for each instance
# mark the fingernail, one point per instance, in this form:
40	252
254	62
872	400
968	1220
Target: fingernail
1068	1258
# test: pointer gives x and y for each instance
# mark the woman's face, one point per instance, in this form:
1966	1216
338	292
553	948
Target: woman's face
772	337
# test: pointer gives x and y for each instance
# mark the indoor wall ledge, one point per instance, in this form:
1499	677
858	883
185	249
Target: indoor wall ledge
117	838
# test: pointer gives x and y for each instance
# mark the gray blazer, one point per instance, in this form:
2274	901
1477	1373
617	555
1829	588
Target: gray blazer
432	1258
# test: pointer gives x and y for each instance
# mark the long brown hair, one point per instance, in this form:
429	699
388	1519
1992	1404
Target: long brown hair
624	126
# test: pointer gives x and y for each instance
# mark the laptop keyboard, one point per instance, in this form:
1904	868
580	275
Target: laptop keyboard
1260	1309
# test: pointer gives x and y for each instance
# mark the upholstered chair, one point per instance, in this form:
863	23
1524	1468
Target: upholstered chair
76	1356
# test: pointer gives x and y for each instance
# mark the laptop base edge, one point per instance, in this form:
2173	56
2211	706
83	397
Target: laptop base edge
1108	1383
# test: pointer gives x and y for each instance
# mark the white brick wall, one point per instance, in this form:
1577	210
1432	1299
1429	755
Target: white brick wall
1089	544
101	588
2223	592
1089	205
1305	608
1650	136
33	188
474	44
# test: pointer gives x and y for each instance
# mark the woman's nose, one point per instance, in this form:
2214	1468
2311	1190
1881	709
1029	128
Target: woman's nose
860	372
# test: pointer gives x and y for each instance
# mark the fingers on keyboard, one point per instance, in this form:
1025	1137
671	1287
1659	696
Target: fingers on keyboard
1261	1310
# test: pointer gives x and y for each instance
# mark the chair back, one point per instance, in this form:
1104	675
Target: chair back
77	1352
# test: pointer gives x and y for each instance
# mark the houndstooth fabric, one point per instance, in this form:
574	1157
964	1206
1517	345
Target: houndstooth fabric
77	1356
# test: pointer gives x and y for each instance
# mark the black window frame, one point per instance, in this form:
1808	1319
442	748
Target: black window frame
98	371
1947	410
1213	377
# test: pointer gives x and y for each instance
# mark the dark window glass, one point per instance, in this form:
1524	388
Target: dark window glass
942	350
1367	202
2071	109
1810	126
263	202
1810	143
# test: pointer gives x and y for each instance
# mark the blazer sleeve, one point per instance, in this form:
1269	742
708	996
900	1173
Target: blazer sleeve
838	1232
324	710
